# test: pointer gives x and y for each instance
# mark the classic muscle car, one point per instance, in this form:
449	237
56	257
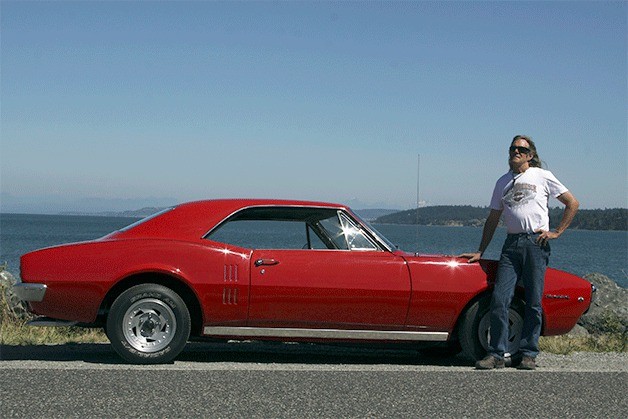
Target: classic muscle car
273	270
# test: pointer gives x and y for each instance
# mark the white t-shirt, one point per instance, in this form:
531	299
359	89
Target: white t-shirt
524	199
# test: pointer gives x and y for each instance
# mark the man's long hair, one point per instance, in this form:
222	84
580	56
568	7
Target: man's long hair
536	160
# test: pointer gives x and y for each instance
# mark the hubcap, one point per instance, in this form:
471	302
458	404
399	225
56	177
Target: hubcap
149	325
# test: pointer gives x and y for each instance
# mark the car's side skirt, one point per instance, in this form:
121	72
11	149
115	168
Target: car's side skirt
341	334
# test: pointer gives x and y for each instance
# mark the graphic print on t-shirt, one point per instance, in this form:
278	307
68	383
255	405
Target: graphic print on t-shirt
520	195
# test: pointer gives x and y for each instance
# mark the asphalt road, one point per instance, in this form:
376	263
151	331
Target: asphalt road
283	380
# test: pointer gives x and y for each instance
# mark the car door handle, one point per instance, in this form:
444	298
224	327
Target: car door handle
266	262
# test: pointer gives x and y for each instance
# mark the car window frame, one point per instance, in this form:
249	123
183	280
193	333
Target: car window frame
373	239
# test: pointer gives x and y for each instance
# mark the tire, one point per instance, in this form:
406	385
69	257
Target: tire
148	324
474	330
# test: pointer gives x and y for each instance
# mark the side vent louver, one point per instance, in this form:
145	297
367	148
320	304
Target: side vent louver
230	294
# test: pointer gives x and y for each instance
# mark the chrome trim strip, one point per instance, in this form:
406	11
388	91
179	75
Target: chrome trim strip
324	333
30	292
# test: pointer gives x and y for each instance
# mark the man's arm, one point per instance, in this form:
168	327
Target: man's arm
571	208
487	235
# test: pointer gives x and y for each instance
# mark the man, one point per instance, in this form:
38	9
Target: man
522	196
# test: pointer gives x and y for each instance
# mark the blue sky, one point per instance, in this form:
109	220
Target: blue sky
117	105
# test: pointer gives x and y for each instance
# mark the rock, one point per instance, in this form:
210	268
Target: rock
578	331
6	276
609	311
15	307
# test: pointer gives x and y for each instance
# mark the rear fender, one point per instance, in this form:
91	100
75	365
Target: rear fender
166	278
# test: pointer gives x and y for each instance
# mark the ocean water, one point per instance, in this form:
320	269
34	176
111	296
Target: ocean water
577	251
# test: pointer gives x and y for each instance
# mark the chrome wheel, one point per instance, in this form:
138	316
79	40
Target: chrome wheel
149	325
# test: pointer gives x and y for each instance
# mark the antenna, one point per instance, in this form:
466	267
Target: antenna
418	202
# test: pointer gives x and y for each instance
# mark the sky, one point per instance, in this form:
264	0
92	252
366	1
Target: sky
119	105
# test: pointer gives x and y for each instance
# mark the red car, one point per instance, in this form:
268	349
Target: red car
276	270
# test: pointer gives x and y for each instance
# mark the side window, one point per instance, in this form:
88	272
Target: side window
315	242
262	234
332	228
345	234
292	228
356	239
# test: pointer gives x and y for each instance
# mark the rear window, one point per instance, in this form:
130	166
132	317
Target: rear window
143	220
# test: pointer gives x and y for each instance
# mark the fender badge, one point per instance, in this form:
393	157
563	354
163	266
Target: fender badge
557	297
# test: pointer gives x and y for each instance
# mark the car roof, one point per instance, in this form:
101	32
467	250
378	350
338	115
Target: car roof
192	220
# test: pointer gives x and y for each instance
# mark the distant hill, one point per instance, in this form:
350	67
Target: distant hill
367	214
140	213
373	214
444	215
466	215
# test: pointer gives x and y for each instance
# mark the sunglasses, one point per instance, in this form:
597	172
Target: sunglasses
519	149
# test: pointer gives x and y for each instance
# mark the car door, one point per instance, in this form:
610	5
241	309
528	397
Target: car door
328	289
317	267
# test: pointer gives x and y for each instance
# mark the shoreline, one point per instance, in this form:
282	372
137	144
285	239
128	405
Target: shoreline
130	215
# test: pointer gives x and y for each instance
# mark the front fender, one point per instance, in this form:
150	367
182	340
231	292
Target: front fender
442	287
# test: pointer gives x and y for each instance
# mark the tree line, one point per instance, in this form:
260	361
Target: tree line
467	215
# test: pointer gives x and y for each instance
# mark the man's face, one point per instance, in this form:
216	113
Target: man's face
520	152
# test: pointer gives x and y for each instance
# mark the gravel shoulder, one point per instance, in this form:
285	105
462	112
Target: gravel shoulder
257	356
256	380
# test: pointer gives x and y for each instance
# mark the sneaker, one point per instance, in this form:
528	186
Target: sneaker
527	363
489	363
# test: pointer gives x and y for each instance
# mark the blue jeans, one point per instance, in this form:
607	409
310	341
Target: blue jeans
522	259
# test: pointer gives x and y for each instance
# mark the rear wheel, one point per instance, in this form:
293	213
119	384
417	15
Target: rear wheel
148	324
474	330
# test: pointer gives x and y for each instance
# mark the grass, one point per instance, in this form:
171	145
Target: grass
15	331
18	333
614	338
565	345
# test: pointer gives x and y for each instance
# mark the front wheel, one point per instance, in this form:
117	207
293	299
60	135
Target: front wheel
148	324
474	330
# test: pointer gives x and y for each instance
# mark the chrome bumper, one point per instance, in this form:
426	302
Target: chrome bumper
593	298
30	292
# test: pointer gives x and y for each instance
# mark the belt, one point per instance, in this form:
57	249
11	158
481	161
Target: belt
522	234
